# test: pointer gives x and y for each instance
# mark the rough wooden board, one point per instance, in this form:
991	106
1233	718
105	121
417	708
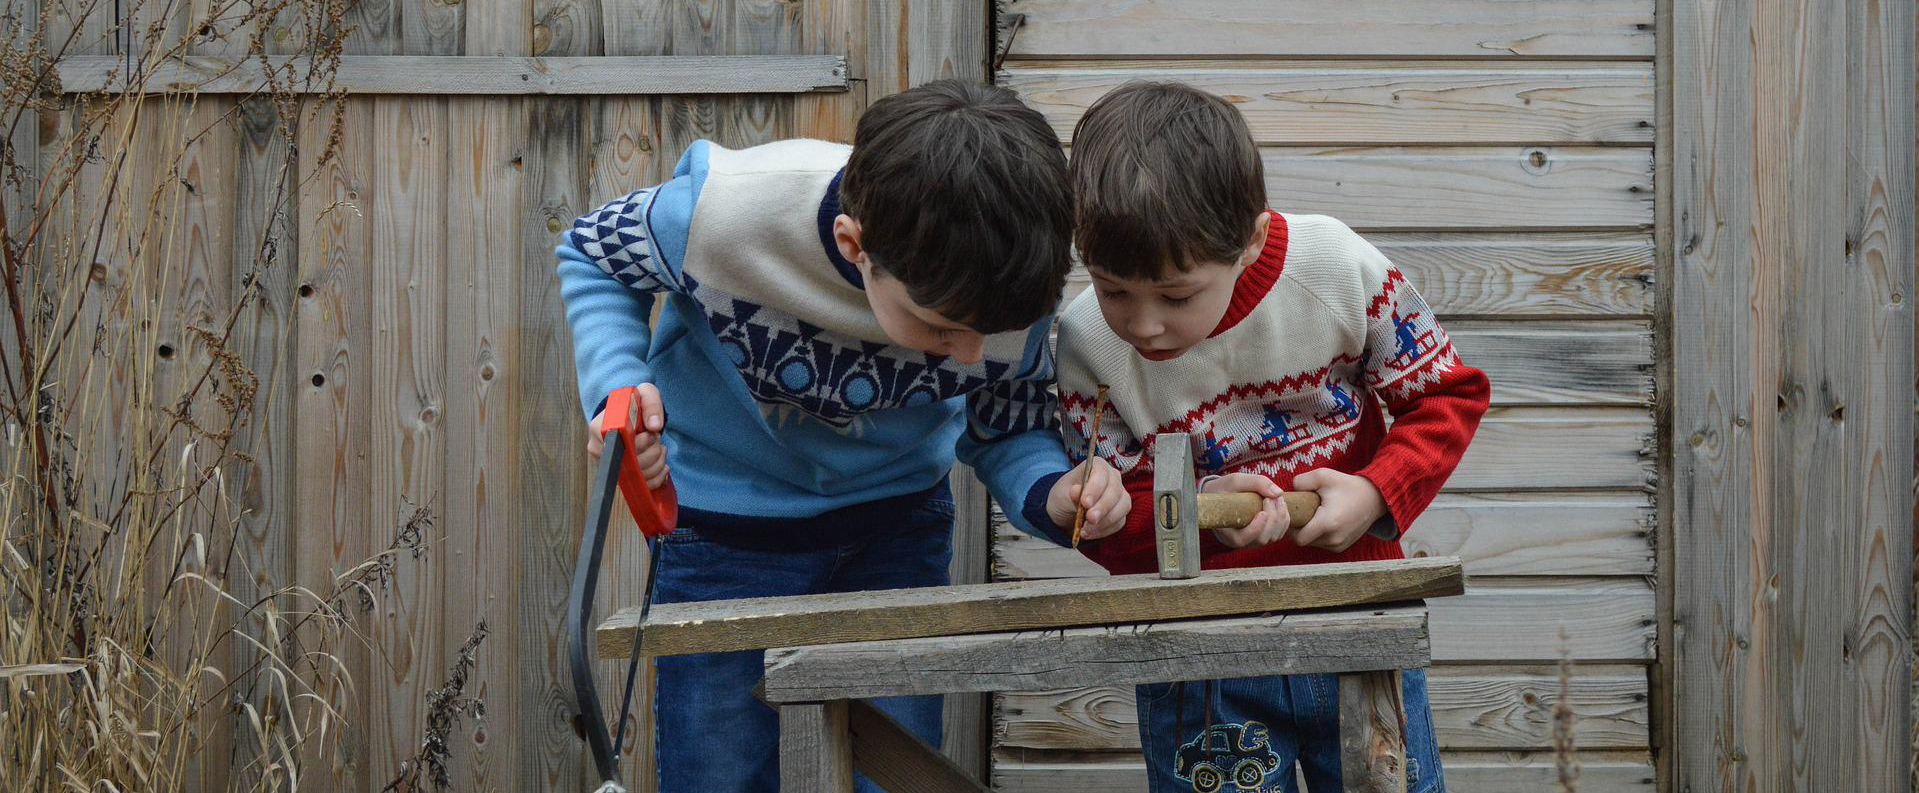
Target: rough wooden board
946	38
487	138
1464	187
444	74
1392	102
1473	707
1372	732
973	608
898	760
1491	533
1389	637
1309	29
1469	772
1554	448
432	27
815	751
408	456
1517	620
967	737
1560	363
1576	274
563	27
333	409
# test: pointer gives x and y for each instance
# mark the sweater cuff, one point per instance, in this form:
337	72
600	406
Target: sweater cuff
1399	489
1034	510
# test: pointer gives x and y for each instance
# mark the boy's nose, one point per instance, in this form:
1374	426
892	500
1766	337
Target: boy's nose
1145	327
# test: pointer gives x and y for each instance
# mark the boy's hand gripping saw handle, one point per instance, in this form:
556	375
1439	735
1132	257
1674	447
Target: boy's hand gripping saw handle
656	513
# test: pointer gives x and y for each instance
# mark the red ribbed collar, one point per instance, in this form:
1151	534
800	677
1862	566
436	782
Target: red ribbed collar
1259	277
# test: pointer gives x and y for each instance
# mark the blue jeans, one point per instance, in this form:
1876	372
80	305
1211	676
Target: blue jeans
1259	727
710	733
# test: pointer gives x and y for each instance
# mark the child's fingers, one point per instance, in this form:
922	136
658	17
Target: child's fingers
652	410
1256	529
1275	524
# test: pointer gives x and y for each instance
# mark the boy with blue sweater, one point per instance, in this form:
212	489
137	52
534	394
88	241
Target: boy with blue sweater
839	325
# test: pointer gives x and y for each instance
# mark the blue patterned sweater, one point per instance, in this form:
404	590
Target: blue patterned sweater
784	397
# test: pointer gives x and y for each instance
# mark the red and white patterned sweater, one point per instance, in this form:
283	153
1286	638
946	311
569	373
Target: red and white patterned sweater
1320	331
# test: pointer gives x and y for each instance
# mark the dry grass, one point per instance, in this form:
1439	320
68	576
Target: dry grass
138	652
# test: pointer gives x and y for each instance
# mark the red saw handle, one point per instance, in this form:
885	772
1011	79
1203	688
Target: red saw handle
656	513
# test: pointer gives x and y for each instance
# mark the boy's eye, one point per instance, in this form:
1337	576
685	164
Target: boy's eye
1113	293
1178	301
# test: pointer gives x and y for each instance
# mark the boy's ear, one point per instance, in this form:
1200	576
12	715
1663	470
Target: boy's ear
1261	225
846	234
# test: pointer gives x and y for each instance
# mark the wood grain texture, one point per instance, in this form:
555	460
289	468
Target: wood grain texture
457	75
1560	363
1372	732
1307	29
563	27
936	611
1478	772
432	27
1336	640
408	455
1464	187
1552	448
485	145
967	736
815	751
332	406
552	443
1516	621
1377	102
1466	274
1506	708
1491	533
946	38
899	761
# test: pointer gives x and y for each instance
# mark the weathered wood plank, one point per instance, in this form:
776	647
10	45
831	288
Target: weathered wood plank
333	408
1474	707
1464	188
1388	637
1308	29
453	74
946	38
816	754
563	27
1517	620
1478	772
967	736
408	458
432	27
896	759
1491	533
1560	363
486	141
1580	274
1547	448
1372	738
1379	102
552	443
973	608
1875	355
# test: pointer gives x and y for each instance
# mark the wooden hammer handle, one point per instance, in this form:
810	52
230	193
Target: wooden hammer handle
1235	510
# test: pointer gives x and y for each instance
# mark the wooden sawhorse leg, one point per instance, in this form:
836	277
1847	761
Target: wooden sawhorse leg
822	742
1372	732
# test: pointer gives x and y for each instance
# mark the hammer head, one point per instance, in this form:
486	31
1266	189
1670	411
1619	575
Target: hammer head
1175	506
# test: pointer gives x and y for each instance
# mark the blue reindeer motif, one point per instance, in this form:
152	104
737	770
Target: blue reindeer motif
1278	430
1407	346
1213	457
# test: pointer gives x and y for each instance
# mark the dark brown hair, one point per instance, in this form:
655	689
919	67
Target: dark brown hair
1165	176
961	193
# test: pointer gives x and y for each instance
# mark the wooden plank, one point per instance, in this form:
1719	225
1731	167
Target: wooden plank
1374	102
1473	707
1628	771
552	441
967	734
1387	637
1308	29
1551	448
1372	739
1464	274
1491	533
562	27
456	75
408	459
1873	352
486	140
946	38
1517	620
1560	363
332	406
715	626
815	753
432	27
897	760
1464	187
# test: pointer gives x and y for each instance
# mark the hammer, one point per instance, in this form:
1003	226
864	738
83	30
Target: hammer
1180	511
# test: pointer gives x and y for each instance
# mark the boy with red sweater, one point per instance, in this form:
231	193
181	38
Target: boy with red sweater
1273	339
